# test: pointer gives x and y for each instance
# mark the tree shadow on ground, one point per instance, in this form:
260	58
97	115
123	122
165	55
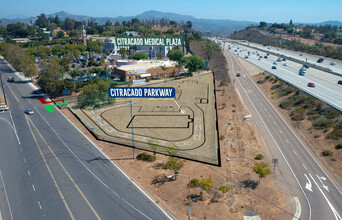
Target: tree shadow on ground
105	160
248	184
160	180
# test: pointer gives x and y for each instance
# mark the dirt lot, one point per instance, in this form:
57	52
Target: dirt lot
315	139
267	198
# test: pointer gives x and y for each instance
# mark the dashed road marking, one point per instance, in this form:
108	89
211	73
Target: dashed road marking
34	188
287	141
295	153
40	206
304	166
24	160
28	172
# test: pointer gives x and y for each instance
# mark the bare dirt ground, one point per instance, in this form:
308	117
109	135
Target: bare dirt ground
315	139
307	41
267	198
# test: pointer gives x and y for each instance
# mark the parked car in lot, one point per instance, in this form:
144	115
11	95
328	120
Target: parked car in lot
4	108
339	82
320	60
311	84
333	63
29	111
274	67
238	74
306	66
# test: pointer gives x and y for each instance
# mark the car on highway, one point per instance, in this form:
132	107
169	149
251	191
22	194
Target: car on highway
306	66
274	67
238	75
311	84
284	59
285	64
265	57
29	111
320	60
339	82
10	79
333	63
279	59
4	108
275	63
300	54
259	58
246	57
302	73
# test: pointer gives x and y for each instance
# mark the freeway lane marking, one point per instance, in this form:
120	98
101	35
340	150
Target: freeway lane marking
287	141
280	131
323	178
14	128
295	152
40	206
48	168
66	172
308	185
24	160
28	172
34	188
3	184
304	166
337	216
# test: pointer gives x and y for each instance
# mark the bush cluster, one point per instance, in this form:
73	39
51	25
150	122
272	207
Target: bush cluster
146	157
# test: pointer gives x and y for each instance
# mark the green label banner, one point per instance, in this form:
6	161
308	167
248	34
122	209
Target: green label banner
149	41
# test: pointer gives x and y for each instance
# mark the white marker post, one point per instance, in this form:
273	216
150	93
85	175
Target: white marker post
182	111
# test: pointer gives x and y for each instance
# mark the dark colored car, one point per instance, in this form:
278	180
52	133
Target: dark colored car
10	79
284	59
306	66
320	60
311	84
274	67
265	57
339	82
238	74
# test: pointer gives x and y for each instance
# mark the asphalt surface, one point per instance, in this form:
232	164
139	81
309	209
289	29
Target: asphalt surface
326	88
49	170
302	173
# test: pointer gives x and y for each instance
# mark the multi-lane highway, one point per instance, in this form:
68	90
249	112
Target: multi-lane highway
49	170
326	88
303	174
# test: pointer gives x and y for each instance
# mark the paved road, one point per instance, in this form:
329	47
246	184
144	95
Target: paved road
49	170
303	174
326	88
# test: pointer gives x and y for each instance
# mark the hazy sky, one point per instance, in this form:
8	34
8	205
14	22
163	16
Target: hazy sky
251	10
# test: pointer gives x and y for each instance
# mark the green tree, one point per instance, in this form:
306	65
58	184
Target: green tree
175	55
140	55
94	47
261	169
159	55
152	144
195	63
210	47
50	76
123	52
60	34
42	21
174	164
262	24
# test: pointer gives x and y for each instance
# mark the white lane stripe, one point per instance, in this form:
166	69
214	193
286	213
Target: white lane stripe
280	131
9	206
34	188
24	160
298	209
274	123
304	166
40	206
28	172
287	141
14	128
265	109
21	149
295	152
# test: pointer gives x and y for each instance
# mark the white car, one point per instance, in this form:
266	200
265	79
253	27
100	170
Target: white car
333	63
4	108
285	64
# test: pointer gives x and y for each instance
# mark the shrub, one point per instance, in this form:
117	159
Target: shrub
194	183
224	189
330	113
312	112
339	146
286	104
260	81
327	153
275	86
336	134
146	157
285	91
299	110
298	117
259	157
221	137
267	77
314	117
339	125
205	183
323	123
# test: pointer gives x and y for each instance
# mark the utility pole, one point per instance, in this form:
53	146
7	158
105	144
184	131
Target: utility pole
132	129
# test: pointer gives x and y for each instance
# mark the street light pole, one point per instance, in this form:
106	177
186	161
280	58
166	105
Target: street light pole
132	130
189	205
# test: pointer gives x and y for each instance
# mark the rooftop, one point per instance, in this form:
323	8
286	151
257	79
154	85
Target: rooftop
147	64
